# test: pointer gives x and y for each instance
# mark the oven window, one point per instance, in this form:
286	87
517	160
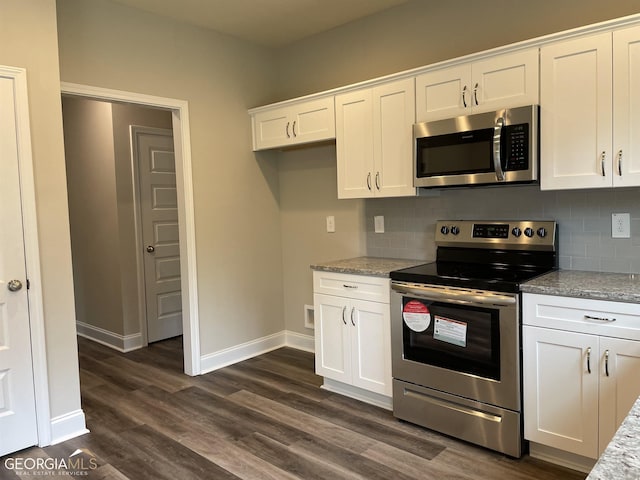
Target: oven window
455	153
461	338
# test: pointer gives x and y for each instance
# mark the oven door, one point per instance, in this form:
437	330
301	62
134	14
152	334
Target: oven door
459	341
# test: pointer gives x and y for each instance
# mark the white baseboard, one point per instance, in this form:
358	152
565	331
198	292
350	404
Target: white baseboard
122	343
365	396
229	356
560	457
67	426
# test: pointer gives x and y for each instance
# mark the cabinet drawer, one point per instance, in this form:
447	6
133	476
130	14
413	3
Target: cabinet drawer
362	287
597	317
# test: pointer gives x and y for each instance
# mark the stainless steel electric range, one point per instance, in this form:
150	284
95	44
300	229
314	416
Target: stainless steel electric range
456	330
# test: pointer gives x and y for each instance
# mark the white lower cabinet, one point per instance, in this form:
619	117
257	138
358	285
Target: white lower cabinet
352	330
581	360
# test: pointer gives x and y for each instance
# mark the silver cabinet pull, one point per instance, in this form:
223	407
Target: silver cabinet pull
344	309
606	362
600	319
14	285
287	130
151	249
464	100
475	93
378	180
369	181
589	359
293	128
603	155
620	162
353	309
497	154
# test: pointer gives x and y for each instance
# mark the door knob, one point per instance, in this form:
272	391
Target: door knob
150	248
14	285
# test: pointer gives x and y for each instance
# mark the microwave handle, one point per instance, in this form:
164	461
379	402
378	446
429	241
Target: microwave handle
497	154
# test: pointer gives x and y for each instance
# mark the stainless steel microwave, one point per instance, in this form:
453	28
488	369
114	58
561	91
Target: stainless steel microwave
483	149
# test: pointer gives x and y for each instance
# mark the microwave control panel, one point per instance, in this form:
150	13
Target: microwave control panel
516	147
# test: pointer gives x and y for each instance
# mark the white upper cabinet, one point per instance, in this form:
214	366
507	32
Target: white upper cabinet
305	122
501	81
374	141
589	113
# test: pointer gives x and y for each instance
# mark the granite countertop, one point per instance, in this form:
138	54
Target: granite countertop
621	458
372	266
618	287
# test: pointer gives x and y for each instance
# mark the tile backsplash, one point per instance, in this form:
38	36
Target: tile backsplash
583	217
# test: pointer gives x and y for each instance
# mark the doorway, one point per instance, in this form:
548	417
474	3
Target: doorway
178	111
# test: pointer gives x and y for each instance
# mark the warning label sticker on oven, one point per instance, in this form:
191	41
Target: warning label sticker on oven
450	331
416	316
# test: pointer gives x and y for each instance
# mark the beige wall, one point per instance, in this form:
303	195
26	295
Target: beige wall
411	35
101	209
237	219
28	39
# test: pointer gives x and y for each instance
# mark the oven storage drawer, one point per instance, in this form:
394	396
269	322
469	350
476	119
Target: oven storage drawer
475	422
360	287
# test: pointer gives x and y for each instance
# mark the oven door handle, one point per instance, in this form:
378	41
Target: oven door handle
453	296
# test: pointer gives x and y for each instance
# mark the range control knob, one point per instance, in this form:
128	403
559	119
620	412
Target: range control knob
444	230
516	232
455	230
542	232
528	232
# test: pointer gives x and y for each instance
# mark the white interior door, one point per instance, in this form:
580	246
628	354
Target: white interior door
159	219
18	428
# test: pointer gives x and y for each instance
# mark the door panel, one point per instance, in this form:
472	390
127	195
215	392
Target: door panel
159	217
18	427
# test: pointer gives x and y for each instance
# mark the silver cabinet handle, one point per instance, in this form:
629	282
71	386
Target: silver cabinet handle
589	359
464	100
293	128
369	181
287	130
344	309
603	155
497	154
151	248
14	285
378	180
353	309
475	93
606	362
620	162
600	319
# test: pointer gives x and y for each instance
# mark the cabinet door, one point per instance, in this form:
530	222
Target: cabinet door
371	346
271	129
332	344
626	107
560	395
576	113
505	81
393	119
313	121
443	93
619	384
354	144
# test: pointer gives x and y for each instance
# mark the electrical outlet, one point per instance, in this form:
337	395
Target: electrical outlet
620	225
378	224
331	224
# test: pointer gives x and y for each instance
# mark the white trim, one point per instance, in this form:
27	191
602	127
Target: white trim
182	147
32	252
244	351
121	343
365	396
534	42
299	341
560	457
67	426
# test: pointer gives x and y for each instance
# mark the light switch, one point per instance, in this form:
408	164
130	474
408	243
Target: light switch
378	224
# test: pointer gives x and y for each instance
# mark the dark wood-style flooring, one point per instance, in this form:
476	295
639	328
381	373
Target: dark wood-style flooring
264	418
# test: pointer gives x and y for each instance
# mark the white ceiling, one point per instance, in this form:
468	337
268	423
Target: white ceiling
271	23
